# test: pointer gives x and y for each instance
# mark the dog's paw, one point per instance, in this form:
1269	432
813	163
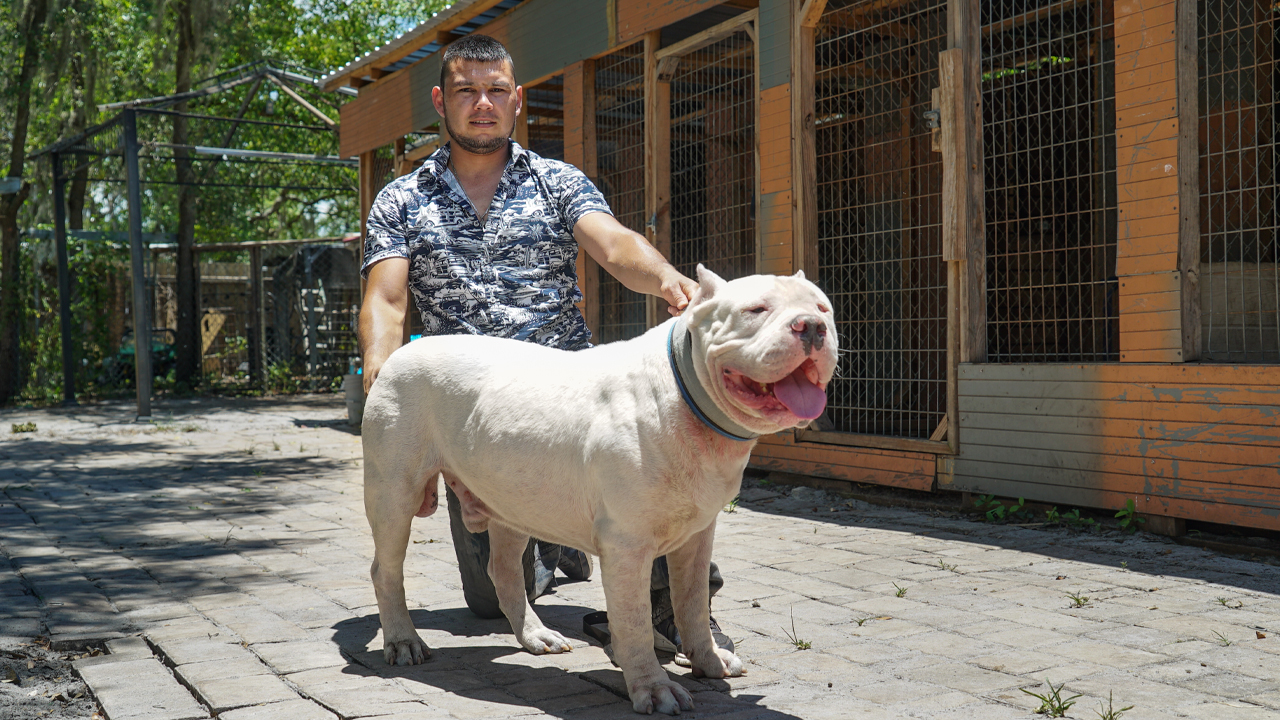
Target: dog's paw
406	652
543	641
663	695
720	663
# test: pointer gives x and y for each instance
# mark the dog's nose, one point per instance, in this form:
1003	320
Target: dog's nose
811	330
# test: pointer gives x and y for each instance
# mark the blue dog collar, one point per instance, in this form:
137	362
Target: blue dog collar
688	397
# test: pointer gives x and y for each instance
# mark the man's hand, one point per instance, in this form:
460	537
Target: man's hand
677	290
386	300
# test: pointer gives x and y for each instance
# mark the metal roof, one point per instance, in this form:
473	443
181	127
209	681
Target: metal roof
462	18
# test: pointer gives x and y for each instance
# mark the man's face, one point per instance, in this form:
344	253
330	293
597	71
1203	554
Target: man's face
479	104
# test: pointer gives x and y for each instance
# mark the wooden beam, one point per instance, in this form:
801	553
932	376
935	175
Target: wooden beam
804	153
1032	16
657	163
964	33
1186	28
302	101
710	36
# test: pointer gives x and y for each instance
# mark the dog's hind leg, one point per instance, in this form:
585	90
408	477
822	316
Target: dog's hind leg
506	569
390	504
689	565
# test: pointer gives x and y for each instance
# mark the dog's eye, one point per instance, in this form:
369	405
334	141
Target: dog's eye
757	309
823	308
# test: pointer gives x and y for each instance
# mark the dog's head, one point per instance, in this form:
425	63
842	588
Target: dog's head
764	347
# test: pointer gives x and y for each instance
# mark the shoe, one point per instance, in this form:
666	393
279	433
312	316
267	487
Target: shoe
575	564
667	639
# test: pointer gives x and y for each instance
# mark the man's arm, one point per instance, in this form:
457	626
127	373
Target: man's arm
630	258
386	300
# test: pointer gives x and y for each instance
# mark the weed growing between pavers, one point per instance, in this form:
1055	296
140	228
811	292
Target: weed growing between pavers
1052	703
1109	712
793	637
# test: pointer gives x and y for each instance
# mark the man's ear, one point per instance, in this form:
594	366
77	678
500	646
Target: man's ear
437	99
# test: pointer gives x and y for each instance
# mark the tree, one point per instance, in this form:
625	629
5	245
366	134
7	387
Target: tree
29	27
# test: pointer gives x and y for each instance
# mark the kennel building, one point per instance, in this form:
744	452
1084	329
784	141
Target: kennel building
1049	227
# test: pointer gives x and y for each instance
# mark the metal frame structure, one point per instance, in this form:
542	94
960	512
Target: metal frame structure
118	138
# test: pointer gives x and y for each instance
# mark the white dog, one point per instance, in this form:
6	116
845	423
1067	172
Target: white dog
627	451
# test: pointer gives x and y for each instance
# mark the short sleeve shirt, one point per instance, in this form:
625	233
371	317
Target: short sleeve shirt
513	276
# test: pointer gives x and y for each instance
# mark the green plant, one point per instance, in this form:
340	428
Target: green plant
996	511
793	637
1052	516
248	450
1052	704
861	621
22	427
945	566
1072	519
1222	639
280	379
732	506
1129	520
1229	603
1124	564
1078	600
901	591
1109	712
275	445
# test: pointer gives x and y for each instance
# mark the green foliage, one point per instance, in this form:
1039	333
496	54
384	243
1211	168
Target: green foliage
25	427
1129	520
995	510
1109	712
280	379
1052	704
1078	600
793	638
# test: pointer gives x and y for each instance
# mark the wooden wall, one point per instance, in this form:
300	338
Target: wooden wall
1186	441
1147	180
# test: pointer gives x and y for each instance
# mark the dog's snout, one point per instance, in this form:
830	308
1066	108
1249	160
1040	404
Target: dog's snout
811	330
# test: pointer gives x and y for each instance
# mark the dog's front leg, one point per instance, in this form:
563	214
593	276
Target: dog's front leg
506	548
690	598
625	570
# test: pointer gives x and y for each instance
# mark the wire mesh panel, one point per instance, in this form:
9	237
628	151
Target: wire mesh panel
311	304
713	174
1239	283
1048	98
619	94
879	214
544	111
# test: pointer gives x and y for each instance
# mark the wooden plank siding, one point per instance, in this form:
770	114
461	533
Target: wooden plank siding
776	255
907	470
1198	442
637	17
1147	181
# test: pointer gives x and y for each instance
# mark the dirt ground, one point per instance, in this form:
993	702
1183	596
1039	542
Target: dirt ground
37	682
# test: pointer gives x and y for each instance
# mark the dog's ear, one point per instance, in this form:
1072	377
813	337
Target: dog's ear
709	283
799	275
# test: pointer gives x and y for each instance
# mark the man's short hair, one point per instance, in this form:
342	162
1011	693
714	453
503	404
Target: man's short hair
476	48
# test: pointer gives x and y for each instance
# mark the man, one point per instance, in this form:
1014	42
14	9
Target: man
485	236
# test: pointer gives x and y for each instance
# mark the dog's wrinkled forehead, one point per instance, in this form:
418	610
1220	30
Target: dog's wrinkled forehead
719	300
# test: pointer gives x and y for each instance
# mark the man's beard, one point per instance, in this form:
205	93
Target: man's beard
475	147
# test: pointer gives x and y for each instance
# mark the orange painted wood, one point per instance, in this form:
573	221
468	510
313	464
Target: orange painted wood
1142	114
1144	170
1136	389
1162	150
1263	380
1149	284
1151	321
1165	72
1136	264
379	116
1134	58
1151	356
1151	340
637	17
1196	413
1153	16
1146	38
1148	208
1130	247
1148	302
1129	98
914	471
1168	432
573	150
1148	227
1147	133
1165	187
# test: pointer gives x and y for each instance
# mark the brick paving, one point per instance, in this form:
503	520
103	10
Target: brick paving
230	536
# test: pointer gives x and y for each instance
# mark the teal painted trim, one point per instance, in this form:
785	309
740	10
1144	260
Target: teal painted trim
544	37
775	43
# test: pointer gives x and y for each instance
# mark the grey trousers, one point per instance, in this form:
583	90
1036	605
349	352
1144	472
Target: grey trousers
472	550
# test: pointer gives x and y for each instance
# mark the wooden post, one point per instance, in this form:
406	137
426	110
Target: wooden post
965	34
580	150
804	153
1186	28
657	163
521	131
257	336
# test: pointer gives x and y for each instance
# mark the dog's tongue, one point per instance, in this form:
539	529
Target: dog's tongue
800	396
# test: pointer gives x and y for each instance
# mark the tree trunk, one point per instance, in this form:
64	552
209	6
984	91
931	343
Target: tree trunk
33	18
188	351
82	110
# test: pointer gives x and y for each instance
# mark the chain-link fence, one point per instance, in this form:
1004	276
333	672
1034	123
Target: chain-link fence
544	112
1048	99
713	173
619	91
879	214
1239	181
